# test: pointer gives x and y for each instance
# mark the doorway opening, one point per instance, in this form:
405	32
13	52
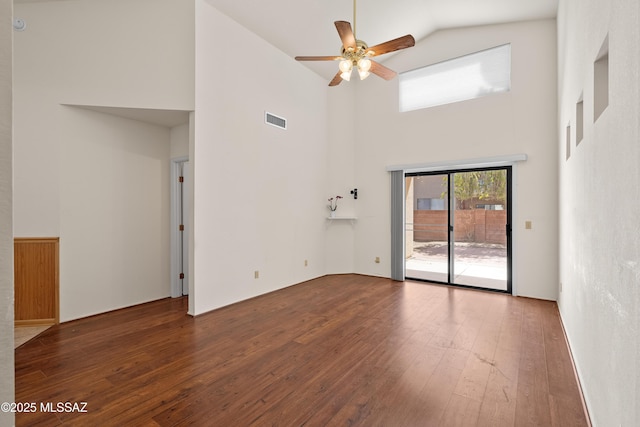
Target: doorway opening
458	227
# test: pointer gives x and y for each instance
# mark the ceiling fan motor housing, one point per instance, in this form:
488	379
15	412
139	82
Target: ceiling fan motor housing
356	54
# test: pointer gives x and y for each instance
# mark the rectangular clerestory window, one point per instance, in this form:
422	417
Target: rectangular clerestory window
467	77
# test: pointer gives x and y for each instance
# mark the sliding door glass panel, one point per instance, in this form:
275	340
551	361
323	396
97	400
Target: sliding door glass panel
479	237
427	225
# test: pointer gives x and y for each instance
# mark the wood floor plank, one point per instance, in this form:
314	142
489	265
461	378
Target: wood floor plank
532	407
461	412
403	404
338	350
499	402
379	373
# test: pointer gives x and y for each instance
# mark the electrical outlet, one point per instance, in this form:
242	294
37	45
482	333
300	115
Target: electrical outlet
560	286
306	263
377	260
256	274
527	225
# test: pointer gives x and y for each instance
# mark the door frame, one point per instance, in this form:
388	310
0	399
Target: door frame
451	212
176	250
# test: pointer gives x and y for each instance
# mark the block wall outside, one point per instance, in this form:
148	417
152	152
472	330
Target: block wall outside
474	225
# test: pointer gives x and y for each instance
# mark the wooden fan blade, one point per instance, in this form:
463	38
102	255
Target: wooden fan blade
392	45
382	71
336	80
346	34
318	58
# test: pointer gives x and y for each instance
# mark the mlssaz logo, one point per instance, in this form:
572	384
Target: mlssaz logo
63	406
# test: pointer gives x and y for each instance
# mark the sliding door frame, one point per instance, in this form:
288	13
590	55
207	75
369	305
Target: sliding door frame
450	227
397	246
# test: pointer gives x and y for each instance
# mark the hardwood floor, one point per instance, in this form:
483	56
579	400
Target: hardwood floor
339	350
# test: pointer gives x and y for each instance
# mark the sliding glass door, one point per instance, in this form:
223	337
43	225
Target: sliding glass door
427	227
458	228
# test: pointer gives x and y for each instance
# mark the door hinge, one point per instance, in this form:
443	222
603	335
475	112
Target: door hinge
181	179
181	275
181	227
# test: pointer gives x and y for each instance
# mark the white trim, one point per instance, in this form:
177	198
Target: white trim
176	286
484	162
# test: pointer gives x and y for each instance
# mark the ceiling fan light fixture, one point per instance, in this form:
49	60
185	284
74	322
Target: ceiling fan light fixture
345	66
363	74
364	64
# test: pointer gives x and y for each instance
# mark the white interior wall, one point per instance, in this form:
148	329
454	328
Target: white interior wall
7	374
259	190
340	233
114	212
520	121
117	54
599	210
179	141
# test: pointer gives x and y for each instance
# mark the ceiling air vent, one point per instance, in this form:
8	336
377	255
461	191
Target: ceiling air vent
274	120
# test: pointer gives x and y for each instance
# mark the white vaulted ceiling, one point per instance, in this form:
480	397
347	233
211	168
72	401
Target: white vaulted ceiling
305	27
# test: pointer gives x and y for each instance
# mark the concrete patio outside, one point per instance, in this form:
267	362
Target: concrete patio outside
481	265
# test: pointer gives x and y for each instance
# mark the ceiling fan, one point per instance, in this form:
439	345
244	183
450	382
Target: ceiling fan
356	53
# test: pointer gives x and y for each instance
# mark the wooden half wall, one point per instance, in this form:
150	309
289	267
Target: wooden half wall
36	278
